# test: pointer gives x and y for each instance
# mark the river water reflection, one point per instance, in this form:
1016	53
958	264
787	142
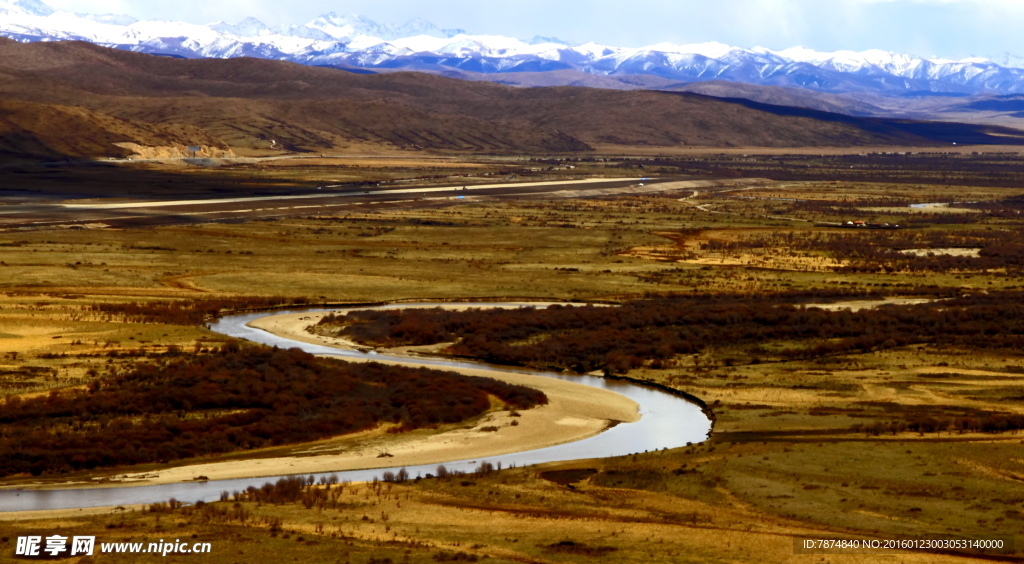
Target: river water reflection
666	421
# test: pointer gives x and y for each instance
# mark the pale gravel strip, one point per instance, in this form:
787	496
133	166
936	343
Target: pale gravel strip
468	187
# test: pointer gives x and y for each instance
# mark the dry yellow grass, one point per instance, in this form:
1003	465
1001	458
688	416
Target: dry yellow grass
785	458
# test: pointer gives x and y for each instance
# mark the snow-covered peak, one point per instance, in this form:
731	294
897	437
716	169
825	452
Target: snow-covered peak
25	8
596	50
152	29
427	43
1009	60
357	41
249	27
355	25
293	30
711	50
110	19
420	26
465	45
542	40
343	27
967	61
854	60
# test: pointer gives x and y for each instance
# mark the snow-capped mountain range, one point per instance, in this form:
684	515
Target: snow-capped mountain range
355	41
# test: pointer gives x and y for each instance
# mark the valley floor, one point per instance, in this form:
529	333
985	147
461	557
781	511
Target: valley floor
803	447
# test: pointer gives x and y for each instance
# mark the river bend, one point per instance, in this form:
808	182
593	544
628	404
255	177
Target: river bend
666	421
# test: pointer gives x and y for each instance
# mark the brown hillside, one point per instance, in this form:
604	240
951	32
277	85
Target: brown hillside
248	102
48	131
783	96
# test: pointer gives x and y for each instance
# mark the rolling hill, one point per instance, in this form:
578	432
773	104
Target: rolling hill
248	103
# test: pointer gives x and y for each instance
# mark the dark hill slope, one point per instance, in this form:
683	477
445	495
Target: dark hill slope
782	96
245	102
35	131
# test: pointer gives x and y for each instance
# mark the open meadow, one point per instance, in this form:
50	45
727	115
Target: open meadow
816	434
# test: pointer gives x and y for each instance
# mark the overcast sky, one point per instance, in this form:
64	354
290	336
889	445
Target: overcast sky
945	28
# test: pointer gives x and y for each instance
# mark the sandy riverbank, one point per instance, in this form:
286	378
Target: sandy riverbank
293	326
857	305
574	412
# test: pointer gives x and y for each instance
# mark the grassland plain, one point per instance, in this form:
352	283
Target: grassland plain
795	449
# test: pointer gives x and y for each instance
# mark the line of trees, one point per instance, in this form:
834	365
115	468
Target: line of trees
653	332
935	169
986	423
187	312
878	251
1009	207
235	399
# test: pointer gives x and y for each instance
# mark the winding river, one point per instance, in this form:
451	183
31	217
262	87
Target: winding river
667	421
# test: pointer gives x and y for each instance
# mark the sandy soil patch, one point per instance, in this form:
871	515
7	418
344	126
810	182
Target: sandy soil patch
950	252
67	514
964	371
857	305
760	261
922	208
174	152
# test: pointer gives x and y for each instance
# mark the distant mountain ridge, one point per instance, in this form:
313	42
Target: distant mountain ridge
72	99
352	41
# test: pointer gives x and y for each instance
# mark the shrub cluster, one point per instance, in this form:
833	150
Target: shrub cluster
652	331
982	423
232	400
879	251
187	312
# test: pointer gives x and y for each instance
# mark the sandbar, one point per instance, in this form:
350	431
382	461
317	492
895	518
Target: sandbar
574	412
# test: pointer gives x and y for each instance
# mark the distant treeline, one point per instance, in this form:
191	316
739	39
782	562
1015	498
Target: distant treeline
879	251
1004	170
847	211
232	400
985	423
1010	207
656	332
188	312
